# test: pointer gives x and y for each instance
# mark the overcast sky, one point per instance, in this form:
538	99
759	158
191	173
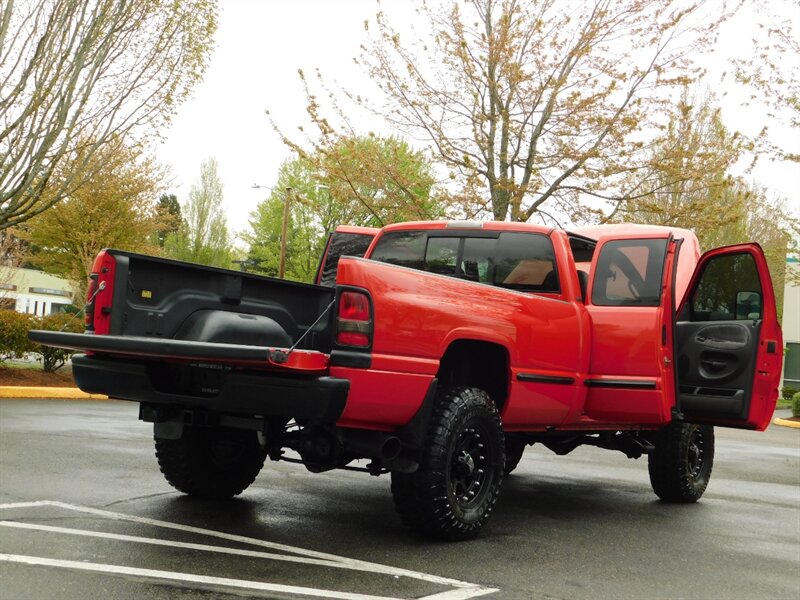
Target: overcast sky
259	47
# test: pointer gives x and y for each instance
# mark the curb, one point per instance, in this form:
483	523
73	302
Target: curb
44	392
786	423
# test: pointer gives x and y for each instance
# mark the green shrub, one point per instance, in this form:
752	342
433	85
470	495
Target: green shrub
14	328
796	405
54	358
789	392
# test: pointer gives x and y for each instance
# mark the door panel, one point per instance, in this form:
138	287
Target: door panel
716	363
728	341
624	383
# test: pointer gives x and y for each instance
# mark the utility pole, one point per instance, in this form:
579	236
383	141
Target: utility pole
284	225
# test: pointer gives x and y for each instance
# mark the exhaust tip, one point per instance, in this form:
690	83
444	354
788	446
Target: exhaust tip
390	448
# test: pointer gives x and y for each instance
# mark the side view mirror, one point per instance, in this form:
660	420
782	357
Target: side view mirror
748	305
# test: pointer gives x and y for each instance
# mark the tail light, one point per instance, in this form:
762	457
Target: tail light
354	320
100	294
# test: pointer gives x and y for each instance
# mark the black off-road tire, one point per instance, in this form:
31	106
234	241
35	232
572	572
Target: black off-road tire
514	450
680	465
211	462
452	494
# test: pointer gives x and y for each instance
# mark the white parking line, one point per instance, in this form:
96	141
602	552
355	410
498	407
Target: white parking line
171	544
185	577
462	591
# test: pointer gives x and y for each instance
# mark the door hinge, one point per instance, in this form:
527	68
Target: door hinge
667	361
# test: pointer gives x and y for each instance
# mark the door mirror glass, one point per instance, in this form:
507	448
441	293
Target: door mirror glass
729	289
748	305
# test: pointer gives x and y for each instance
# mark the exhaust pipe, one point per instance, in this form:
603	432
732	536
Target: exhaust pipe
371	444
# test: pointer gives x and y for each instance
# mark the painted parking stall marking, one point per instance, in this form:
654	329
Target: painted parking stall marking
458	590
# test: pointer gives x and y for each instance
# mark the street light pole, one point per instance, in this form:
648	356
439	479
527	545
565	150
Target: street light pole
282	263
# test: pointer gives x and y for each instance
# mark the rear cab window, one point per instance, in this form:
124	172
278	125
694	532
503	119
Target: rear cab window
629	273
342	243
520	261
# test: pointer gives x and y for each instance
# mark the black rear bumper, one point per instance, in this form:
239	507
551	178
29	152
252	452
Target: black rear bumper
318	398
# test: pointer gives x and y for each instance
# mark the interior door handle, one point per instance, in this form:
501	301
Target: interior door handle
713	365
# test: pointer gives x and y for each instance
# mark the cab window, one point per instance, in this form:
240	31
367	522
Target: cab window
526	261
341	244
729	289
404	248
628	273
441	255
477	259
519	261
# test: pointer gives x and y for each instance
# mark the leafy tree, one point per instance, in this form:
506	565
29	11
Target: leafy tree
766	220
687	180
202	237
369	181
168	210
690	185
532	104
77	74
303	241
379	179
313	214
114	208
373	181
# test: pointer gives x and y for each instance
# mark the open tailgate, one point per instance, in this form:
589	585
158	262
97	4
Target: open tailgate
185	350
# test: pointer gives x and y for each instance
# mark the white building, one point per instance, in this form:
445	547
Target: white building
791	325
33	292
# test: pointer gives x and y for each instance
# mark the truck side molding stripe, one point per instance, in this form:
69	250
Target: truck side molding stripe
532	377
621	383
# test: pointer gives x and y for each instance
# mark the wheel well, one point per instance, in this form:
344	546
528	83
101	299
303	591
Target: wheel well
477	364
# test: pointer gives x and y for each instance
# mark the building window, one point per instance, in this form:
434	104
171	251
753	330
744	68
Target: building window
791	366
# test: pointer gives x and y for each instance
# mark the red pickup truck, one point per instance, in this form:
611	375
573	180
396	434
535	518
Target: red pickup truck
439	358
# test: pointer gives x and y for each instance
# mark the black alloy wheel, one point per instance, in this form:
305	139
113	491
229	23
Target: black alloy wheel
680	465
453	492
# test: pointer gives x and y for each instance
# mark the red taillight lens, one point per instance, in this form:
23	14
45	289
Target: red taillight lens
89	316
354	322
99	294
354	306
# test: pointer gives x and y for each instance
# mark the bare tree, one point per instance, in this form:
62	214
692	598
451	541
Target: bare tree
78	70
540	102
13	252
770	71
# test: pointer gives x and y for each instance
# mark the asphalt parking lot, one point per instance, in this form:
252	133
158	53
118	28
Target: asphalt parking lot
85	513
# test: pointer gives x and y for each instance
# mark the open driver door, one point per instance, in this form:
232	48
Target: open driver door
727	343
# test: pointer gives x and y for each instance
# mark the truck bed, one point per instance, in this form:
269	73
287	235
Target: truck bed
154	302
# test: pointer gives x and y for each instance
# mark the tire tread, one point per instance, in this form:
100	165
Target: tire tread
420	498
188	467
